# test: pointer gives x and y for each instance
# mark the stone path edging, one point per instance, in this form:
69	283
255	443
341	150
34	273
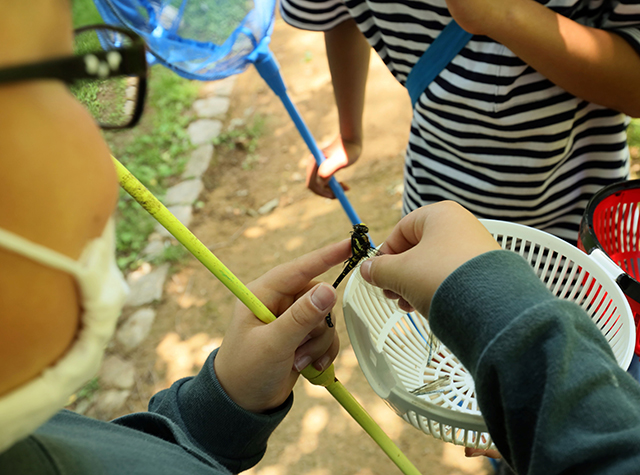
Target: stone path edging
117	374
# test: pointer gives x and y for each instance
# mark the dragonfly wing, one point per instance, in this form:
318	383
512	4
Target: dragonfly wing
432	386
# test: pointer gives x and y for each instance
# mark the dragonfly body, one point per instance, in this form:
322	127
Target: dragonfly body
361	248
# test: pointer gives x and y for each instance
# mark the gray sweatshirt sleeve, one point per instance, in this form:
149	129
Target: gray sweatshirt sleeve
548	385
214	423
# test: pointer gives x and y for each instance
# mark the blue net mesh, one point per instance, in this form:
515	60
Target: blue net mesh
212	39
199	39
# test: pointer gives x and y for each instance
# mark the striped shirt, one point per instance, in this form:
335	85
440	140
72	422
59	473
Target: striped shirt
490	132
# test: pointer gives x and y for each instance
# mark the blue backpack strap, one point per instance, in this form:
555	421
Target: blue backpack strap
441	52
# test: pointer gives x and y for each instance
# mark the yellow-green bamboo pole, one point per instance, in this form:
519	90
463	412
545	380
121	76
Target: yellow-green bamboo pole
325	378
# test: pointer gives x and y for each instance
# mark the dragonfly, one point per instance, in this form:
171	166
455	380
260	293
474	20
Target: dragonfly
361	249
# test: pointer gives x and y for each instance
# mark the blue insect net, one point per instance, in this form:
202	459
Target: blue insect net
203	40
213	39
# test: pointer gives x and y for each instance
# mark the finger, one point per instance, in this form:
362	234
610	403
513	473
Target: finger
292	278
321	349
405	306
315	183
470	452
445	222
315	263
391	295
406	234
311	265
330	355
386	272
324	187
312	169
327	190
301	318
402	303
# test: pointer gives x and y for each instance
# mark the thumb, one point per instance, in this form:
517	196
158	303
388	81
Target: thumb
384	272
292	327
390	273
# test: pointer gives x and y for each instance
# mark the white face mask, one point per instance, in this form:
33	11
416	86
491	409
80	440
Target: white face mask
103	291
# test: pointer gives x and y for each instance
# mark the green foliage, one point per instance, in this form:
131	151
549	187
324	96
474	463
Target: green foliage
633	133
84	13
88	390
159	153
133	227
633	138
106	100
213	21
172	254
244	138
87	93
154	152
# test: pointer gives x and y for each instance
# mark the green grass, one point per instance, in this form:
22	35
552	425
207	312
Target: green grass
633	133
244	138
213	21
105	99
155	152
84	13
89	389
633	138
173	254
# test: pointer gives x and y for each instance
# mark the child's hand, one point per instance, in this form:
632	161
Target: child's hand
340	154
258	364
494	454
423	249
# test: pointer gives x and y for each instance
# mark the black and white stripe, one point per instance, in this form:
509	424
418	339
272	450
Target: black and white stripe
489	131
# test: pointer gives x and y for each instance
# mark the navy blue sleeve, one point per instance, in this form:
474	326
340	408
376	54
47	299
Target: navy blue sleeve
549	388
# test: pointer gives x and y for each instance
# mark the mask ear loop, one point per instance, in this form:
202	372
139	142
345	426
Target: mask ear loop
325	378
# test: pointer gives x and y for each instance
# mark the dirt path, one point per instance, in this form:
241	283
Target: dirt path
317	438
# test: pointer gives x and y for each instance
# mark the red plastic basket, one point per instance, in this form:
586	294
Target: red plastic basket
610	231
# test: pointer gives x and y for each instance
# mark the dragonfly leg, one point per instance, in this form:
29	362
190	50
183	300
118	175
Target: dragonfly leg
328	320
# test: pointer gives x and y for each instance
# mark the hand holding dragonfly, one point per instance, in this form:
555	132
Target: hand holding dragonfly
423	249
258	364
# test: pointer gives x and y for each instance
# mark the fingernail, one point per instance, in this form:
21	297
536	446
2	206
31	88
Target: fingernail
365	271
323	296
322	363
301	363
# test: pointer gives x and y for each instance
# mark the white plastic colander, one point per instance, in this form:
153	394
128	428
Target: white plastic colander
393	348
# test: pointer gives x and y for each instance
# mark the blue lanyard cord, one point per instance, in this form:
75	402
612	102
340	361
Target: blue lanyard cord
438	55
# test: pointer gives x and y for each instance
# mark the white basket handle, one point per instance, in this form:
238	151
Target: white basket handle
604	261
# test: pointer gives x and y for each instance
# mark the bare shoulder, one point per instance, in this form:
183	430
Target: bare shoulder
57	182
